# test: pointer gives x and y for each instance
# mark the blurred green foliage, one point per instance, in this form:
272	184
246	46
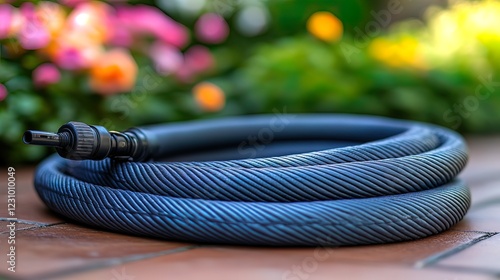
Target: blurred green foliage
306	75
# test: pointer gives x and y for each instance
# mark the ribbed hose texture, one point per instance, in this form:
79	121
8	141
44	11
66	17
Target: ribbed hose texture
395	183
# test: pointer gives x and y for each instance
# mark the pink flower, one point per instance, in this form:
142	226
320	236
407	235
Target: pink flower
167	59
3	92
6	14
185	75
211	28
46	74
120	36
144	19
33	34
70	58
199	59
74	51
73	57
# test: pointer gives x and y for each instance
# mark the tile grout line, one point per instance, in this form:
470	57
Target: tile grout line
113	262
22	221
475	231
432	260
494	273
35	226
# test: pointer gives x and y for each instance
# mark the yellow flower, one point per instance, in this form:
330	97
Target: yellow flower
401	52
209	96
465	34
325	26
115	71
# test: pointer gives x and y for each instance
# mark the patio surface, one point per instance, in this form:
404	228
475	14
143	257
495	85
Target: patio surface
49	247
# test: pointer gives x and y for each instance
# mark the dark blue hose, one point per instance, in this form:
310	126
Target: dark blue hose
327	180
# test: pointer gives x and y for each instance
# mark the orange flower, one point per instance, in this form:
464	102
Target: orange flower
209	97
325	26
114	72
51	16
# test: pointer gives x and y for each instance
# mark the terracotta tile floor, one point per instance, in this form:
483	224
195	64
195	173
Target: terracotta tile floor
49	247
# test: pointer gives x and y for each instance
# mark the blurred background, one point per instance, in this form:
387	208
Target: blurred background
126	63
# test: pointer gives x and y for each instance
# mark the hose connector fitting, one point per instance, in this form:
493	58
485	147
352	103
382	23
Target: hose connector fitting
79	141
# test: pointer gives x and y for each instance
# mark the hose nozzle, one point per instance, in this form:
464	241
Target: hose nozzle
78	141
43	138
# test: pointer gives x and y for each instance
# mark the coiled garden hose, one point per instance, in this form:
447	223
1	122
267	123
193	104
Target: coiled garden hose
279	180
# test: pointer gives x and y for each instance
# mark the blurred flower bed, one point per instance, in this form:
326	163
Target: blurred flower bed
125	63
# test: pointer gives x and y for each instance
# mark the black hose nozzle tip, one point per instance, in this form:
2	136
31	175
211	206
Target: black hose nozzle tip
78	141
42	138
